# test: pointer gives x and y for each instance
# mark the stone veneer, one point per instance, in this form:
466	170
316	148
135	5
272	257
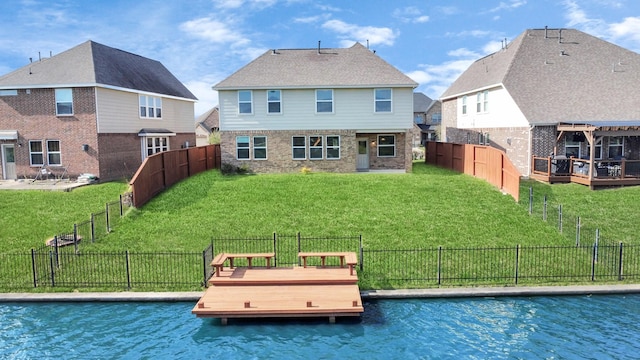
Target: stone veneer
279	152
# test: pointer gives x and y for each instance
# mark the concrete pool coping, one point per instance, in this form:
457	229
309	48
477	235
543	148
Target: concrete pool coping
367	294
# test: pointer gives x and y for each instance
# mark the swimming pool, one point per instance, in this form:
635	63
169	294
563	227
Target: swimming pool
598	327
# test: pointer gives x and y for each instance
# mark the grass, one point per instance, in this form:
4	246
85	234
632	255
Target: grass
30	217
428	208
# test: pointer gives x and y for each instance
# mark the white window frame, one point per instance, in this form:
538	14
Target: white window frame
313	145
485	101
32	153
570	144
294	147
464	105
598	148
381	100
247	147
151	105
478	102
324	101
244	102
53	153
617	144
158	144
270	101
62	99
386	146
333	146
256	147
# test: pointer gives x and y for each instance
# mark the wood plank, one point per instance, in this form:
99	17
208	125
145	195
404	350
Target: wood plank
292	275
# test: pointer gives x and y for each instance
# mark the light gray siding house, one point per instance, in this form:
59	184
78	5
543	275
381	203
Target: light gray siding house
549	91
337	110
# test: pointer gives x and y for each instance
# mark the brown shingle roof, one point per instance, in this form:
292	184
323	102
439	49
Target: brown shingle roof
307	68
91	64
564	76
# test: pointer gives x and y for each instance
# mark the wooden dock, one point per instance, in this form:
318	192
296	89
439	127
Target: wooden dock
261	292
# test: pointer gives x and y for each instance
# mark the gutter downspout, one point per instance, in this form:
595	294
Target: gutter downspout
530	155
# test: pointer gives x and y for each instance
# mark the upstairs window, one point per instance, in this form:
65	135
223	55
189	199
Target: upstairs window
386	146
324	101
53	152
479	102
464	105
245	102
36	155
383	100
274	102
150	107
485	101
436	118
64	102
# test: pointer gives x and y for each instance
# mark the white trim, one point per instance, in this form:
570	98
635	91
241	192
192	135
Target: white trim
472	91
375	101
269	102
8	134
244	102
293	87
333	102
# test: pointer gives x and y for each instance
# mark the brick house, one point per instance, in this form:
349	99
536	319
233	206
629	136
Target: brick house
335	110
91	109
206	125
427	114
549	91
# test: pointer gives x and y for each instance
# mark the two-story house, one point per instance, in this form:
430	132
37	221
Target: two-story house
427	114
549	91
91	109
335	110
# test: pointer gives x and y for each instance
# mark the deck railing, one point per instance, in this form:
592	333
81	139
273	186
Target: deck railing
551	167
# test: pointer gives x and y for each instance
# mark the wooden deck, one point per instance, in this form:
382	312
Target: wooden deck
281	292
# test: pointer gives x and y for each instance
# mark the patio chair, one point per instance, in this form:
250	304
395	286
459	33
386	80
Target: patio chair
42	174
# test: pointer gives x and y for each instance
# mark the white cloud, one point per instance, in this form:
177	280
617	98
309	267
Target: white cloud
410	14
513	4
351	33
491	47
311	19
207	98
213	31
628	28
474	33
463	53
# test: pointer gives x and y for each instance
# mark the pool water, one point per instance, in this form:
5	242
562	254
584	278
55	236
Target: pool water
577	327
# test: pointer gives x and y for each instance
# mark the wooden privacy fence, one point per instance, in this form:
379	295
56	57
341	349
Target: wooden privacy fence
484	162
160	171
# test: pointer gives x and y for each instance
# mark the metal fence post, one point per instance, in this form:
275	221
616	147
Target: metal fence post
126	254
517	261
55	248
275	249
620	263
299	248
53	274
121	209
578	224
204	268
596	245
361	254
594	261
439	264
33	267
560	218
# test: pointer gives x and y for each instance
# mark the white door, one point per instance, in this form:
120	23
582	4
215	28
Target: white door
8	162
363	154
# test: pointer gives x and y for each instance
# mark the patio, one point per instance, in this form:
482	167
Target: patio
614	146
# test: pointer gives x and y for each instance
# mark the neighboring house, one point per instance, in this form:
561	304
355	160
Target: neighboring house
427	114
549	91
207	124
337	110
91	109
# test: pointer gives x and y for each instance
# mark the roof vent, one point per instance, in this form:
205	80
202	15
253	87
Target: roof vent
563	53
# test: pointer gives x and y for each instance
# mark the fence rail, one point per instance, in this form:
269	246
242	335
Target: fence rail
68	267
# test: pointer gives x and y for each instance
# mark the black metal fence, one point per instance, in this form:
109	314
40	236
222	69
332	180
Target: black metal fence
71	267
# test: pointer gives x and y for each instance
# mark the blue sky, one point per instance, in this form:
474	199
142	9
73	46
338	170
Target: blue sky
204	41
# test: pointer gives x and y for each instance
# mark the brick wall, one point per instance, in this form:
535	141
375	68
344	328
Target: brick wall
279	152
32	112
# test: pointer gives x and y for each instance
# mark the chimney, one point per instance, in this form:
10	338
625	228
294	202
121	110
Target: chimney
559	36
546	35
318	46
